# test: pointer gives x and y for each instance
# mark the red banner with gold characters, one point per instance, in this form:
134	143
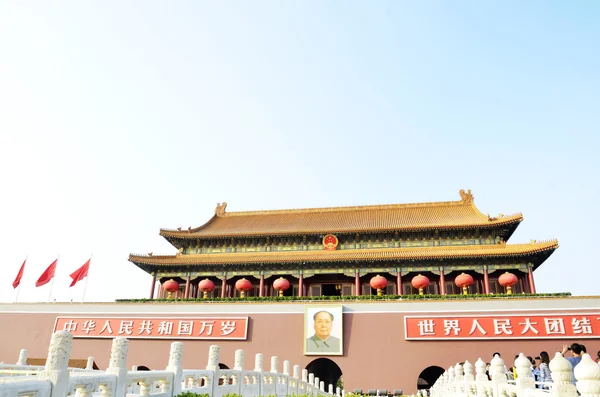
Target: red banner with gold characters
214	328
500	326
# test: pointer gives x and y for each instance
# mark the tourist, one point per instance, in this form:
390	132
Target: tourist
545	374
575	350
535	372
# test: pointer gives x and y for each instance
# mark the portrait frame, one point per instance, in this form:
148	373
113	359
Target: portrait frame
314	346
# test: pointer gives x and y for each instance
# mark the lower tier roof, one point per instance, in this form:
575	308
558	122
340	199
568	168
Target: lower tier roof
502	250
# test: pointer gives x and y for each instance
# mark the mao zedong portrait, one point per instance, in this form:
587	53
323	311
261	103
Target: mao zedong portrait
322	341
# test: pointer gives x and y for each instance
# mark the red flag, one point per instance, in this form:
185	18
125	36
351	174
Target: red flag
47	275
80	273
20	275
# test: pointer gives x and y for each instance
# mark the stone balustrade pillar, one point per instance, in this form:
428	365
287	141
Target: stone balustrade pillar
274	364
238	364
116	366
57	363
468	367
296	372
176	366
480	370
258	362
311	379
90	363
23	357
286	367
214	357
587	374
305	375
524	375
330	389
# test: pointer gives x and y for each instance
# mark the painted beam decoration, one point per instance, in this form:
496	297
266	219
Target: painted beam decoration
210	328
500	326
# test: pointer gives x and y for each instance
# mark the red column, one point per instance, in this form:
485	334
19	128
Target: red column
187	287
261	285
486	280
531	282
224	287
153	286
442	282
301	285
399	283
356	284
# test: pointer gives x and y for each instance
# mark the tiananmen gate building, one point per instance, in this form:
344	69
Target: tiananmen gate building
330	264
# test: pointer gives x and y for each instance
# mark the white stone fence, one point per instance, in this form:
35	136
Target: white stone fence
459	381
55	379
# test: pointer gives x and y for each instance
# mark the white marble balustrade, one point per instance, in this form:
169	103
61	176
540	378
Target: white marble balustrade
459	380
55	379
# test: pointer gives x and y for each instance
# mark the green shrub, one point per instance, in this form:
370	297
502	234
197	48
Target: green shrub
351	298
190	394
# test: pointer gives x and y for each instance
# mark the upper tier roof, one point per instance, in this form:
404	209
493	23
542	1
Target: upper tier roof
503	250
338	220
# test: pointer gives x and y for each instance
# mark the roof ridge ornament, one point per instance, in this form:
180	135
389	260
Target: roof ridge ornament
466	196
220	210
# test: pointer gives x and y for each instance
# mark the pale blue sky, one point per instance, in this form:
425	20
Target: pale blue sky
119	118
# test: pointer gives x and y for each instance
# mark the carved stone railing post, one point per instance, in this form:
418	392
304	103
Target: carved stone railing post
587	374
90	364
451	386
274	364
468	367
258	362
214	357
481	378
459	379
524	375
287	367
322	386
117	364
23	357
338	391
562	377
311	379
57	363
238	364
305	375
176	367
330	389
296	372
497	373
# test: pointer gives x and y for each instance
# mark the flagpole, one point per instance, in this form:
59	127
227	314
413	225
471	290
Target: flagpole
19	287
51	285
53	277
86	278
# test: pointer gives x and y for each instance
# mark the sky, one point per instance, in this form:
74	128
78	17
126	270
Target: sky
119	118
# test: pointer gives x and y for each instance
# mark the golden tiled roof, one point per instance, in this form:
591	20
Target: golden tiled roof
380	254
396	217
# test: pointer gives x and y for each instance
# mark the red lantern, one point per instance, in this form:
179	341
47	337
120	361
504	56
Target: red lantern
243	285
206	286
170	286
464	281
420	282
508	280
379	283
281	284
